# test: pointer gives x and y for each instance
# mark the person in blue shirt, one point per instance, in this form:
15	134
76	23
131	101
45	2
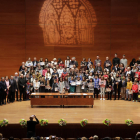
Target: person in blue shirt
96	86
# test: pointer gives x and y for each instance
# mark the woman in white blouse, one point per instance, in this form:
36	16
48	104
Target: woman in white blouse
48	74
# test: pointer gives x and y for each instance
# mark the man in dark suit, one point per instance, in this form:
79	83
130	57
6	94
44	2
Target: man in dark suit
31	126
3	90
116	68
16	77
13	88
22	88
35	63
116	60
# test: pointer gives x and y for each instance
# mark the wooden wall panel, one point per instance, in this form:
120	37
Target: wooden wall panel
117	30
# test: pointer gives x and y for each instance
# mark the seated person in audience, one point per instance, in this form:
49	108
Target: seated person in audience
1	136
36	85
44	71
95	137
135	91
78	85
61	64
97	61
136	137
11	138
31	126
98	68
116	68
128	89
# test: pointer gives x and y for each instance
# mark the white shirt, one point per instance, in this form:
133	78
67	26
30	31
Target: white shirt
36	85
60	71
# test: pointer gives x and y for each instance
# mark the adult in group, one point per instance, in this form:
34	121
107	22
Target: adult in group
22	84
31	126
97	61
89	63
98	68
107	64
138	61
116	60
116	68
16	78
124	61
73	62
35	62
3	91
13	88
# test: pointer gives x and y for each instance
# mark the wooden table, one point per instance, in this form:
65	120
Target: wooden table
67	99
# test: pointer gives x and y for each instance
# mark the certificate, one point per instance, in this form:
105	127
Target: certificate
71	66
56	89
73	83
83	87
78	83
42	63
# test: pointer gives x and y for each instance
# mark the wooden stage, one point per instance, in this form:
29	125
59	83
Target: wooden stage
117	111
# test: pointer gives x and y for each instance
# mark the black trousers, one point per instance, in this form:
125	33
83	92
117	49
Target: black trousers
0	98
135	96
96	91
109	95
12	96
117	89
23	92
3	97
16	94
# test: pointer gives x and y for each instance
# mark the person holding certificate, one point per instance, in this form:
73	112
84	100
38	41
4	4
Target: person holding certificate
84	85
78	85
72	84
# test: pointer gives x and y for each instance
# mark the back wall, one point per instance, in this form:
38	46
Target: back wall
54	28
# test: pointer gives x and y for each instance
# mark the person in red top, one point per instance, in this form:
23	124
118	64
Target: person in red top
135	91
61	64
64	74
137	74
105	76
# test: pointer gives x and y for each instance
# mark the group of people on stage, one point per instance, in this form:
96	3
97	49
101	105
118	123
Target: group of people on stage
59	76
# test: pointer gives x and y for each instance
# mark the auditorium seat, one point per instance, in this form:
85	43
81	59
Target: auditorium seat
71	139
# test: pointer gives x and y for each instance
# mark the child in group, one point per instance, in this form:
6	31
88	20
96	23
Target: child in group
105	76
47	86
96	86
66	82
135	91
128	89
90	76
102	83
55	87
27	90
61	86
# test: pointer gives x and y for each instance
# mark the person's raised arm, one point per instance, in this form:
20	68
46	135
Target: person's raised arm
37	121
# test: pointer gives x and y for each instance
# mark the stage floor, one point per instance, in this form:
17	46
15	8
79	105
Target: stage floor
117	111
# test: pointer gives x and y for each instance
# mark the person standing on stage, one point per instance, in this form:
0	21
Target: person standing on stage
3	90
116	60
16	78
13	88
22	84
31	126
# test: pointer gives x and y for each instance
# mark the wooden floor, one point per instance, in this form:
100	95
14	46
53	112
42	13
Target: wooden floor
117	111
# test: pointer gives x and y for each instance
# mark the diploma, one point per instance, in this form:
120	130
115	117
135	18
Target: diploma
73	83
42	63
78	83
